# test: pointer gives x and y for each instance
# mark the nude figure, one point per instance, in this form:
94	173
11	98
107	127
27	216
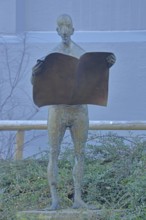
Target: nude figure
72	117
61	117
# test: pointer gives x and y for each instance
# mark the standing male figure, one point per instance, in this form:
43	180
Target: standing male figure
61	117
73	117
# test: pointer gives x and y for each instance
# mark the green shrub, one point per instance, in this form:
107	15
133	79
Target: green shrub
114	180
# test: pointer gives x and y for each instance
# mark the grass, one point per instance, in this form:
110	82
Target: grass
115	179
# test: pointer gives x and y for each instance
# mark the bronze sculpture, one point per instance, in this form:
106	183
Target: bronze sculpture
64	114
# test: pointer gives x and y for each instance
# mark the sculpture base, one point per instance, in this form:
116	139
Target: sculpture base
64	214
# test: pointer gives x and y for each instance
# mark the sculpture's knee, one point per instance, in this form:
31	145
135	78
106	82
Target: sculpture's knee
54	153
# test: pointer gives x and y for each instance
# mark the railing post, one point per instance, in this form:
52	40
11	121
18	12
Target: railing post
19	145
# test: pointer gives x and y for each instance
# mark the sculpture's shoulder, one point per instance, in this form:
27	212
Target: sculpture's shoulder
72	50
77	51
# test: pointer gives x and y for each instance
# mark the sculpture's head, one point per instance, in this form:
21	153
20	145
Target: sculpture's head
65	28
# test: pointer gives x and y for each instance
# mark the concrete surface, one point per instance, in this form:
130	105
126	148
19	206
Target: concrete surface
65	214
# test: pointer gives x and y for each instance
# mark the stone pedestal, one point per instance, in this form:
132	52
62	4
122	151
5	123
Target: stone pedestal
66	214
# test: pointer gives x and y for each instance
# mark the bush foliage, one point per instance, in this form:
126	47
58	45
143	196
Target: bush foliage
115	179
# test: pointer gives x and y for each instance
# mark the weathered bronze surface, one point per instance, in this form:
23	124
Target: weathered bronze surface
72	80
67	80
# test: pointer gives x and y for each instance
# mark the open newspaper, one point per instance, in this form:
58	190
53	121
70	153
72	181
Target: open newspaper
63	79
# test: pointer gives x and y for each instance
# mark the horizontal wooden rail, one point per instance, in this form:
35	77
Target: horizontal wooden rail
22	126
12	125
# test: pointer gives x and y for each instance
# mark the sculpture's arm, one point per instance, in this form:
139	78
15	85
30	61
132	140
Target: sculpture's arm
111	59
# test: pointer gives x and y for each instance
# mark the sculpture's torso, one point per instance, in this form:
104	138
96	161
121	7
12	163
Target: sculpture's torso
72	50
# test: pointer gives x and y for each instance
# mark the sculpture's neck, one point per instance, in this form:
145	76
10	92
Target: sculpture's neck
71	49
66	44
66	47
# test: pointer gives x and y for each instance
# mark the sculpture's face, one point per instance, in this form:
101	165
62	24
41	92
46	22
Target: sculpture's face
65	29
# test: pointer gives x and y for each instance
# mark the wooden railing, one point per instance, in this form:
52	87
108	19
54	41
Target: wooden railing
22	126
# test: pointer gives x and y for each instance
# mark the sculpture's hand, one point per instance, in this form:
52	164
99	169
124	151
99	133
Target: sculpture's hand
111	59
37	68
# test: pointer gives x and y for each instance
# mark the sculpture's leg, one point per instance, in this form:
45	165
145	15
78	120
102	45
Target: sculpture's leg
79	132
56	132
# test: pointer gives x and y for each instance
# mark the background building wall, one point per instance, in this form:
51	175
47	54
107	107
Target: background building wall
7	16
88	15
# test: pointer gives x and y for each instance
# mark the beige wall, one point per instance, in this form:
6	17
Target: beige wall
7	16
88	15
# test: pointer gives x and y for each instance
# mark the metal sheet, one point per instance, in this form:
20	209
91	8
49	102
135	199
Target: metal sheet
67	80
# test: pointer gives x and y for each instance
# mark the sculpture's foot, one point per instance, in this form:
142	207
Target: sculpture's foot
53	207
79	204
